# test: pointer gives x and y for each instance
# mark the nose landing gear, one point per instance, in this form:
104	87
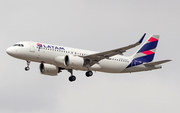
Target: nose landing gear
28	63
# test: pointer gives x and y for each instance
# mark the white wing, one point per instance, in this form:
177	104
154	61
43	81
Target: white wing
94	58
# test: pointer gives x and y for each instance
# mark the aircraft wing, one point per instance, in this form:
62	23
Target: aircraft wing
94	58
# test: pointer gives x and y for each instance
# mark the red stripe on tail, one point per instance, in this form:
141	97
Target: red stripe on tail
152	39
148	52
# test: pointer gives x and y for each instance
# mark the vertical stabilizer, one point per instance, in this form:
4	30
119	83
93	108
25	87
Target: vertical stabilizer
146	52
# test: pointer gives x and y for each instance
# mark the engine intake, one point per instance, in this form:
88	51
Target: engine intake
73	61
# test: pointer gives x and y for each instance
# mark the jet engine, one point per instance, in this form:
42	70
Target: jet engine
73	61
49	69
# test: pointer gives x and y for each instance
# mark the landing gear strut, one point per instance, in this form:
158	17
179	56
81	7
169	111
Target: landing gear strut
89	72
28	63
72	77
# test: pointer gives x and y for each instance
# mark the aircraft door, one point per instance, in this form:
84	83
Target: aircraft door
32	46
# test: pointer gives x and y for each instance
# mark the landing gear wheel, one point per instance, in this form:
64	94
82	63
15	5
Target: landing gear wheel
72	78
89	73
27	68
28	63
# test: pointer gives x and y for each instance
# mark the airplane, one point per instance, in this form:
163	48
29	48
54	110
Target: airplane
53	58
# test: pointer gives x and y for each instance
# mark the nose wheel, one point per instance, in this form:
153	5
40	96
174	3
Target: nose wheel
28	63
27	68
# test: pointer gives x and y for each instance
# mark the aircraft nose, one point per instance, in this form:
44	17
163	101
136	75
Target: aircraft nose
10	51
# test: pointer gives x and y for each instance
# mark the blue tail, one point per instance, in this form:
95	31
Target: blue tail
146	52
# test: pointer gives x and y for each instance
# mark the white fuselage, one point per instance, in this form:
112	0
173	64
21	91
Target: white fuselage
47	53
55	58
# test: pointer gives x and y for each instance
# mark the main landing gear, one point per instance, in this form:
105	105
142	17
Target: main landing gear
89	73
72	77
28	63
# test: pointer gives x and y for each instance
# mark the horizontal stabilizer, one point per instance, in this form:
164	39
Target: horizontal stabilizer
156	63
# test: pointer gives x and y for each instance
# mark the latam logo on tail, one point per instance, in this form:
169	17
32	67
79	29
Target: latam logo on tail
49	46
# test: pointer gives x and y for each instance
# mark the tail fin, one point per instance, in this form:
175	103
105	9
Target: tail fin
147	51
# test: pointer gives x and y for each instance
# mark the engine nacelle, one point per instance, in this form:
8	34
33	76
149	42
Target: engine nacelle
73	61
48	69
60	61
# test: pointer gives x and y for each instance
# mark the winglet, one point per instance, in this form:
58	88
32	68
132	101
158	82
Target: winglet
140	41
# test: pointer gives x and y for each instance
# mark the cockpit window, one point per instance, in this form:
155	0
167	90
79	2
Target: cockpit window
20	45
